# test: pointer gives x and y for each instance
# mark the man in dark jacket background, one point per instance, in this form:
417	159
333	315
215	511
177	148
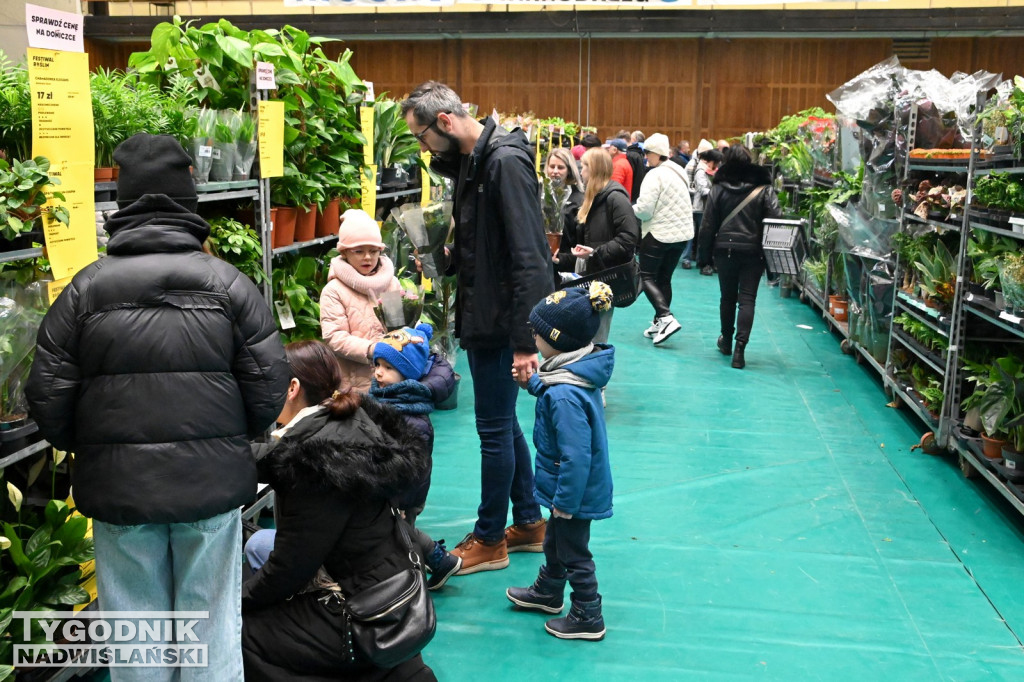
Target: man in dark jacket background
155	366
637	157
504	267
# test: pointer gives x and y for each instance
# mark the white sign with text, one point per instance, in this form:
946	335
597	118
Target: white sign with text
51	29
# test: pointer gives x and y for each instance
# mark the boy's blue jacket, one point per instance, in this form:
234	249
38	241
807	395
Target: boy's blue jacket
573	472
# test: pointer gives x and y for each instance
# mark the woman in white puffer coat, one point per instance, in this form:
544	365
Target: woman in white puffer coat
667	214
359	275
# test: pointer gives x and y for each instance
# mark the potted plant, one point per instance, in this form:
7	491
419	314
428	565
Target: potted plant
553	196
239	245
393	143
15	110
245	145
225	146
45	557
998	400
816	269
22	212
937	275
19	323
1011	279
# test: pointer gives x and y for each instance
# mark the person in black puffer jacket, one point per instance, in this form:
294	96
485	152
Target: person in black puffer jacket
607	228
155	366
741	198
335	464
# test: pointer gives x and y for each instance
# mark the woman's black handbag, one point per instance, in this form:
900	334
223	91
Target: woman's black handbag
392	621
623	279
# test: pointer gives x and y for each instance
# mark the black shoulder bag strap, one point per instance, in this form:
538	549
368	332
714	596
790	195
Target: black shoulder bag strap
743	204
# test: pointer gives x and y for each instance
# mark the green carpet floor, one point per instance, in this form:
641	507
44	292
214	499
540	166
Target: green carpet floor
770	523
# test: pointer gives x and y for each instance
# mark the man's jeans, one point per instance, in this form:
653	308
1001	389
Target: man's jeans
506	466
177	567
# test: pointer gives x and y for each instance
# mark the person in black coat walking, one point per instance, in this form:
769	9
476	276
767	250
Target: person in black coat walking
335	465
503	265
155	366
741	198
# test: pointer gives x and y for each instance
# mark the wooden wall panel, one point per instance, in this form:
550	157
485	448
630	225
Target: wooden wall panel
683	87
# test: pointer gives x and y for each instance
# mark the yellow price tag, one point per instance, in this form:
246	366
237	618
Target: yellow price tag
271	139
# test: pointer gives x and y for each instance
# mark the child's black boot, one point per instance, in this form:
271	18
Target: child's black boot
442	564
583	622
547	593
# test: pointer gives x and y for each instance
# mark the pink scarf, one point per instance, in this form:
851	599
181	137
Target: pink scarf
372	285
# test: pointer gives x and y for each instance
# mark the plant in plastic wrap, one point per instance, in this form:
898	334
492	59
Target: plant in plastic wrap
1011	278
397	309
553	196
427	229
21	312
937	269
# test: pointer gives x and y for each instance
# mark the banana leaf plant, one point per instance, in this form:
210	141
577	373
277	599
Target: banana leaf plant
393	142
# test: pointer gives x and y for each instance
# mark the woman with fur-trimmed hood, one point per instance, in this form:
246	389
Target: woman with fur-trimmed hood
335	465
731	231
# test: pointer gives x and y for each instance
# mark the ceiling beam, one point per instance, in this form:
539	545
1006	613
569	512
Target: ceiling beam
617	24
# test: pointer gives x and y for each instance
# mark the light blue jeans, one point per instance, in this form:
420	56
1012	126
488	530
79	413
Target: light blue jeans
177	567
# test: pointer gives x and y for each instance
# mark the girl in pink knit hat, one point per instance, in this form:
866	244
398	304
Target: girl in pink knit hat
359	275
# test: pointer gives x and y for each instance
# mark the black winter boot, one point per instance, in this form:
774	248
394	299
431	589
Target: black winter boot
583	622
546	594
724	345
738	361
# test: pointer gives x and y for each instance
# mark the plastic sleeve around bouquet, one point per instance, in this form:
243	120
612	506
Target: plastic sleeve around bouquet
427	229
397	309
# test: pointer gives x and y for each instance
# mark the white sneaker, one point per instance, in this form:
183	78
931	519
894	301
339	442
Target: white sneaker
654	328
670	327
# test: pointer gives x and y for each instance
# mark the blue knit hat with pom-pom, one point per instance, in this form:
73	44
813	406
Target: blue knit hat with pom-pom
407	350
568	319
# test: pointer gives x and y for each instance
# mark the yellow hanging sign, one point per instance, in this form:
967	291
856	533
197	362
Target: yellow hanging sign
538	152
53	289
369	187
62	131
271	139
366	122
425	179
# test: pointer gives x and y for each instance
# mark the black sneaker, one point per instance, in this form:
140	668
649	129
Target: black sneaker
724	345
443	565
707	270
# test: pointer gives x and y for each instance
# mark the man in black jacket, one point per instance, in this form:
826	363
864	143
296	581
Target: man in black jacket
637	160
155	366
504	267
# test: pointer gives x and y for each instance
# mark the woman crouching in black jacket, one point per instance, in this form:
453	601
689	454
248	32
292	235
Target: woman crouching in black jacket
741	198
335	464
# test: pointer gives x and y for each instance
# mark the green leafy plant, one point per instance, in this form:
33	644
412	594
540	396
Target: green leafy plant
298	281
816	269
393	142
937	273
922	333
15	110
985	251
1000	191
1002	402
22	189
239	245
41	558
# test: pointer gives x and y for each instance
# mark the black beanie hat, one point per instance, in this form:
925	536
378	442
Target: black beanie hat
154	164
568	319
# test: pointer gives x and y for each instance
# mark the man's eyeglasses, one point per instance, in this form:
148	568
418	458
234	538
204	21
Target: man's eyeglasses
419	135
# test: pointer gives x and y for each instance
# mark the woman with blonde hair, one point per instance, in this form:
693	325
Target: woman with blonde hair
561	166
607	230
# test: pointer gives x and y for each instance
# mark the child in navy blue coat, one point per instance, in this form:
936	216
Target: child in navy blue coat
410	380
573	475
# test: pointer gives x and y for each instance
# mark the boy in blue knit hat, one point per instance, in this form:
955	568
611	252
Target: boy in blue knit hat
573	475
400	360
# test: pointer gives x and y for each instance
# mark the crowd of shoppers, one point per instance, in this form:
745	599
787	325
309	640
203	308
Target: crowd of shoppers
159	322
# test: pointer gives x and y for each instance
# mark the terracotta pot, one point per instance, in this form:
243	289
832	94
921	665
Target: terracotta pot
115	172
554	241
837	308
992	447
284	226
103	174
305	223
327	222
